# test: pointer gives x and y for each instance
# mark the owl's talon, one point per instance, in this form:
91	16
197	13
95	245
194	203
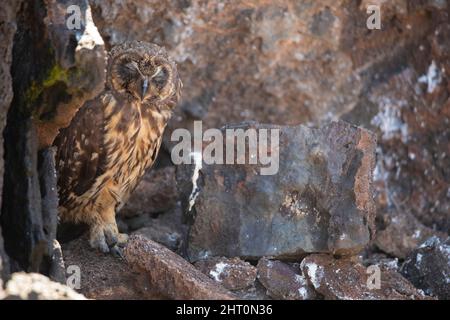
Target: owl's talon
106	238
111	235
117	252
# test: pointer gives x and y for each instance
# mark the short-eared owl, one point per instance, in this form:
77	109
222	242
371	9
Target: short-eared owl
112	139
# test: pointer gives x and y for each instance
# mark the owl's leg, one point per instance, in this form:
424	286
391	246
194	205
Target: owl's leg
104	234
97	238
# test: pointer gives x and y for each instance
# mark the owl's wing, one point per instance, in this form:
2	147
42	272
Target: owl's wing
80	156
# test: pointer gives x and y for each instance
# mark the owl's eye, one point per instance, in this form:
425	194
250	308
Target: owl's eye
128	71
160	78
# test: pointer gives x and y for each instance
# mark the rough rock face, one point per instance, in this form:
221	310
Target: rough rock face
320	200
283	281
428	267
410	111
76	70
54	71
282	51
411	174
345	279
271	47
156	193
7	30
233	274
34	286
169	274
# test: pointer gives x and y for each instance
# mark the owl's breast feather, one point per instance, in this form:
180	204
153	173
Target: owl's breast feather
132	140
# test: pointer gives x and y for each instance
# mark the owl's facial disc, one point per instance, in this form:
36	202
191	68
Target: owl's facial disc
142	77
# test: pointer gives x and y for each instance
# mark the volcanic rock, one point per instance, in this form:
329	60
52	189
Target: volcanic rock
283	281
169	274
346	279
428	267
233	274
320	200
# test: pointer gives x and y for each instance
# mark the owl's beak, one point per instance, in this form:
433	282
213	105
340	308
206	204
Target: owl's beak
144	88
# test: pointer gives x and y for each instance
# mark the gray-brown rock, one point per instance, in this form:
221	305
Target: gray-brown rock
169	274
428	267
283	281
232	273
7	30
54	70
320	199
167	228
104	277
76	72
156	193
161	233
35	286
401	233
346	279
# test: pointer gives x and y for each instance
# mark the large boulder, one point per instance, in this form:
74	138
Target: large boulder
320	199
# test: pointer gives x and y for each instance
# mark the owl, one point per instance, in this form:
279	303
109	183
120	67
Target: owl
102	155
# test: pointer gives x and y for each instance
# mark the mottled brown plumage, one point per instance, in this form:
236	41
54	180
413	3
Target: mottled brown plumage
112	139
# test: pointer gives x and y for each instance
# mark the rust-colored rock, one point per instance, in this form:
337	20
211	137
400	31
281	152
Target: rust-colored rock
169	274
346	279
233	274
282	62
283	281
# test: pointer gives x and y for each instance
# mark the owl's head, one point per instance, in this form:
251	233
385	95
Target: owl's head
143	72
